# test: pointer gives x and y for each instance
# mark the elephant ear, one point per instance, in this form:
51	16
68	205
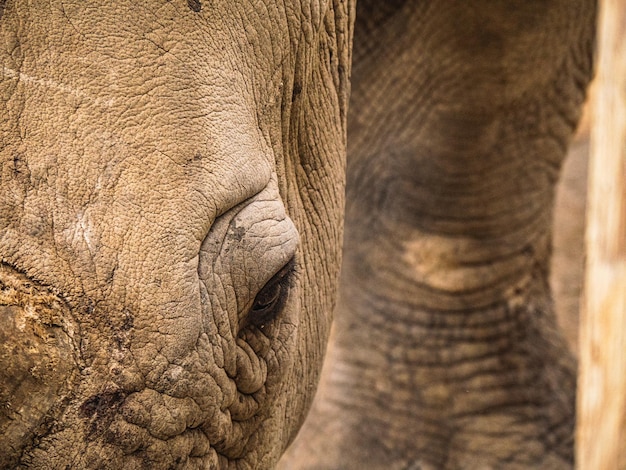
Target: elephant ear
320	65
339	26
312	177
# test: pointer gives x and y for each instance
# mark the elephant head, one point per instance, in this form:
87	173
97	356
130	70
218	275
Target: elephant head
171	197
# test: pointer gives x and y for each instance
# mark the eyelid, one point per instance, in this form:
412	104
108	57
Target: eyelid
287	268
245	249
282	280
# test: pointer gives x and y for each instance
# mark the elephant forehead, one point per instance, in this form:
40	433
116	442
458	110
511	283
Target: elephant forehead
152	99
131	119
89	49
93	94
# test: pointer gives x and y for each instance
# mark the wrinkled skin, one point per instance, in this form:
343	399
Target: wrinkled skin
171	207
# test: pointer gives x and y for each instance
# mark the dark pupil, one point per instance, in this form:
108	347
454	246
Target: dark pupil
267	297
271	299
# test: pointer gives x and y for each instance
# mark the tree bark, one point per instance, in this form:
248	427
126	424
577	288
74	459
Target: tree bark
601	434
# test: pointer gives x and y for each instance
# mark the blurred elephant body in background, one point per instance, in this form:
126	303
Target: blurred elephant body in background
445	351
171	214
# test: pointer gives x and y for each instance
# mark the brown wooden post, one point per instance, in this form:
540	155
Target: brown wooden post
601	433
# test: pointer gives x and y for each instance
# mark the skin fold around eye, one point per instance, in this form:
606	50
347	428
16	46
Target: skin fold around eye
272	297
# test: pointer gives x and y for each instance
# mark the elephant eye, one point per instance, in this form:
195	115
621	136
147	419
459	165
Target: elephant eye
272	297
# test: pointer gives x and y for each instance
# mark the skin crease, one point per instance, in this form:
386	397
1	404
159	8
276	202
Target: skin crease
163	162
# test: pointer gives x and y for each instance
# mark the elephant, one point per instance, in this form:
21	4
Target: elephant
445	352
173	190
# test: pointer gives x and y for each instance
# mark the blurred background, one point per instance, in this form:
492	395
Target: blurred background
569	233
